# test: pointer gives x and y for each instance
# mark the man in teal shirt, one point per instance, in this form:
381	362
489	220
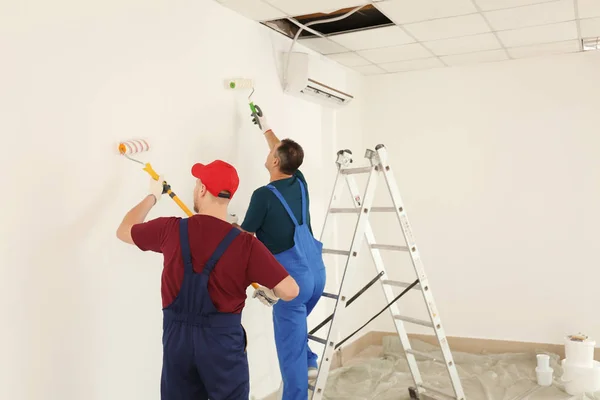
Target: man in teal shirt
279	216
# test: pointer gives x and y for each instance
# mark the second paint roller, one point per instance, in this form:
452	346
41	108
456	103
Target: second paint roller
140	145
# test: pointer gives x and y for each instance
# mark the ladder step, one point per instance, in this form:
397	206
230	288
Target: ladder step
330	295
383	209
338	252
400	284
352	171
344	210
413	320
389	247
338	210
317	339
438	391
425	355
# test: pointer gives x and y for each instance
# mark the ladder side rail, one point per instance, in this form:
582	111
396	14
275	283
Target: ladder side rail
340	304
334	195
387	290
420	271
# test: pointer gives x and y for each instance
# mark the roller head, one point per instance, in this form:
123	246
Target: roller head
239	83
133	146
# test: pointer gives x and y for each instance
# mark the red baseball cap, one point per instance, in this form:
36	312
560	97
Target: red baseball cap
218	176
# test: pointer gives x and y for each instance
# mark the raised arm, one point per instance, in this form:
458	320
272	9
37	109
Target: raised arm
138	214
272	139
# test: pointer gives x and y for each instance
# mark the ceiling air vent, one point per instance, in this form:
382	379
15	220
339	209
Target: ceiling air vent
366	18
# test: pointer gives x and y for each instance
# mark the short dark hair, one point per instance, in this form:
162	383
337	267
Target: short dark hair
290	156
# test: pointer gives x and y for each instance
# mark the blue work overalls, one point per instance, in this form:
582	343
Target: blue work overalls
204	351
304	262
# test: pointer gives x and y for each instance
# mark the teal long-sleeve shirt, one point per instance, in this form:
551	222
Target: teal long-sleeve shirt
267	217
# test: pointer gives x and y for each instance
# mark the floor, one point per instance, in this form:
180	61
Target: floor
381	373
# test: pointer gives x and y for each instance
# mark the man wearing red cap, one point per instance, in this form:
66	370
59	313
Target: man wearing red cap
208	264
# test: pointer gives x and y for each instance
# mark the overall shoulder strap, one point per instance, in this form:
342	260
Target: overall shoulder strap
304	203
184	241
284	203
214	258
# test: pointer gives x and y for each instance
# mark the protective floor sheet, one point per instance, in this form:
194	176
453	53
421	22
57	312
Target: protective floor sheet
381	373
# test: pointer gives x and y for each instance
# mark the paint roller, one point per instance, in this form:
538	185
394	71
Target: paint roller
140	145
241	83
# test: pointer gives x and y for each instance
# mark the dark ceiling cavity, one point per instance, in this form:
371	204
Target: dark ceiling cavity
366	18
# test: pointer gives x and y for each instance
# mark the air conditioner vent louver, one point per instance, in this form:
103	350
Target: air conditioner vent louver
299	81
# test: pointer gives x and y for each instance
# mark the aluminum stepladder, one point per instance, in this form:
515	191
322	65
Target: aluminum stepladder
379	165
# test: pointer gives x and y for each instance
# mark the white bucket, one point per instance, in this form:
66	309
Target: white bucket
578	380
580	353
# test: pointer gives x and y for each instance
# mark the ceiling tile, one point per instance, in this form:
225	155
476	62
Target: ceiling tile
349	59
589	8
369	70
373	38
412	65
253	9
466	44
590	27
323	46
296	8
448	27
396	53
406	11
539	14
487	5
473	58
539	34
570	46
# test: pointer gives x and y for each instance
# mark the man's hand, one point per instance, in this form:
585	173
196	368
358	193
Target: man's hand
232	218
156	188
264	125
266	296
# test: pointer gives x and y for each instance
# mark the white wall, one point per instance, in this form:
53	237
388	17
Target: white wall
499	170
81	311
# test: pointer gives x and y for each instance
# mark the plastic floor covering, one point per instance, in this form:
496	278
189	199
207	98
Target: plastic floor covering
381	373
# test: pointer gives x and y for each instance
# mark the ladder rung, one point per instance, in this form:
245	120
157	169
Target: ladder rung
438	391
425	355
352	171
317	339
353	210
383	209
339	252
413	320
344	210
400	284
330	295
389	247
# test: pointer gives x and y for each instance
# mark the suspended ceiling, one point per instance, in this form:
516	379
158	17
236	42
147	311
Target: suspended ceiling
425	34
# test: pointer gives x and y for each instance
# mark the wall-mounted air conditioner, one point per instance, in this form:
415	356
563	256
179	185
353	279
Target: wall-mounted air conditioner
308	77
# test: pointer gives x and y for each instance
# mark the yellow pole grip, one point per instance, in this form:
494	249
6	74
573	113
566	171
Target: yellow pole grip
180	203
148	168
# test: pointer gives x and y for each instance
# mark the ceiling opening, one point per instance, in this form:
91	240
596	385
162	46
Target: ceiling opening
366	18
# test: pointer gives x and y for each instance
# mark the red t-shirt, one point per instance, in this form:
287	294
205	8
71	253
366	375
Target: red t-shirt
246	260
